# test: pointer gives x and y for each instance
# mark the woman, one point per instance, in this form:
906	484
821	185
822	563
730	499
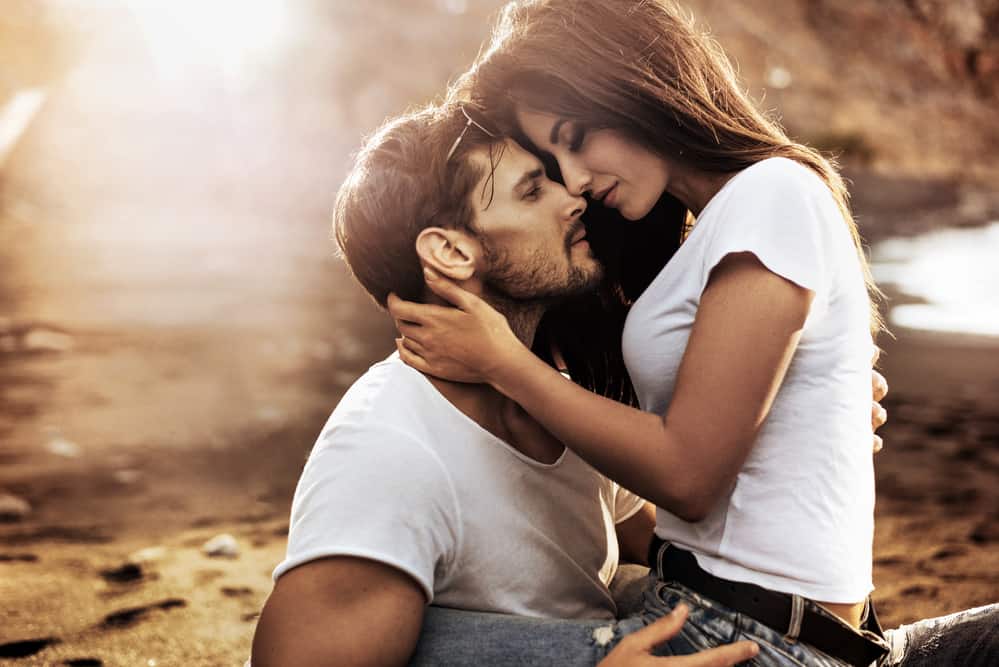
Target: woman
749	352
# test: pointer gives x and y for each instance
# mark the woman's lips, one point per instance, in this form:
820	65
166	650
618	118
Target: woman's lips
610	196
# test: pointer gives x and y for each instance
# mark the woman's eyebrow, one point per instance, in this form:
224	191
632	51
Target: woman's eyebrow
553	137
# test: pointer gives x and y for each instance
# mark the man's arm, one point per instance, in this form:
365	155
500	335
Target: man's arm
340	611
634	535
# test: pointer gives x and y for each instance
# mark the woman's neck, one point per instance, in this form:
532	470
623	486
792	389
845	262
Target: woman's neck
695	188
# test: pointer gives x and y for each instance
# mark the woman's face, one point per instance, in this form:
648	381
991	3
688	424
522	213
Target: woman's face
614	169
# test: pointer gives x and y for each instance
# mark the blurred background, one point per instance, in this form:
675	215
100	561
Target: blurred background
175	327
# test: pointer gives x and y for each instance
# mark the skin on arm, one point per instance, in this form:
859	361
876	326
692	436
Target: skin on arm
634	535
744	335
340	611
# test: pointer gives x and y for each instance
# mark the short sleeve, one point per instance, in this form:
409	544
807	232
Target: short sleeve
373	492
781	212
626	504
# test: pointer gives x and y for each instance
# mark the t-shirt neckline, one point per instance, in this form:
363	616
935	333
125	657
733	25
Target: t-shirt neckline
438	396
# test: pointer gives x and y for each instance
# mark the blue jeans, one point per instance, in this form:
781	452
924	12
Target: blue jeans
453	637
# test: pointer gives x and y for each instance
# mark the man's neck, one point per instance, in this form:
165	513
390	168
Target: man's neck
480	402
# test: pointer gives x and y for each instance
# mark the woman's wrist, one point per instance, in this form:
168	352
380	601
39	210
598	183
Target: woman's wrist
511	367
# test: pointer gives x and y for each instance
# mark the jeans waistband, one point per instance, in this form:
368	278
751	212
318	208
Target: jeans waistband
784	613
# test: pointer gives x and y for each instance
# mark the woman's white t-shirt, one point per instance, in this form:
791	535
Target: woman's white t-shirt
800	517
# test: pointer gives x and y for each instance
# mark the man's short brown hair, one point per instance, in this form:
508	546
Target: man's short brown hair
401	183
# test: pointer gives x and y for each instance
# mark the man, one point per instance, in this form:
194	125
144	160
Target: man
420	490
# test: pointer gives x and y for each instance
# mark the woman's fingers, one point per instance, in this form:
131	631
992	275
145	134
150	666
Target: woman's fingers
449	290
879	416
409	330
410	358
414	346
408	311
879	385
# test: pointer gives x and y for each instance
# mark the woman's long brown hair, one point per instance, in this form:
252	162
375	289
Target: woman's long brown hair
643	68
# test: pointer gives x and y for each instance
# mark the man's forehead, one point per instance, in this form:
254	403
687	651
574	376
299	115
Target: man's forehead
508	164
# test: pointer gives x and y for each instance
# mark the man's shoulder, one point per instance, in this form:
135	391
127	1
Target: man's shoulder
389	410
380	393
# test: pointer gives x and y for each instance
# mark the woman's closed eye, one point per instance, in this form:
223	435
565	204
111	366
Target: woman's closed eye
534	192
576	138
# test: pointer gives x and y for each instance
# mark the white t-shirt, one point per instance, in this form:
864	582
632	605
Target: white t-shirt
800	518
401	476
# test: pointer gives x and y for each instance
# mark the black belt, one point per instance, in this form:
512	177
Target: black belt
769	607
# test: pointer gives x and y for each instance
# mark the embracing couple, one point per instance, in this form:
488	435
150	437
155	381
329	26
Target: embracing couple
583	378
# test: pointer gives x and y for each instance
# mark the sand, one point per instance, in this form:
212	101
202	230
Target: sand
108	570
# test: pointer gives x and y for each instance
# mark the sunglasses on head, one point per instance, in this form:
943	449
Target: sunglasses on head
474	117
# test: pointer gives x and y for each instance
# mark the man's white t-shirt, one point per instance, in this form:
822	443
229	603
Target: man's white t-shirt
800	518
400	476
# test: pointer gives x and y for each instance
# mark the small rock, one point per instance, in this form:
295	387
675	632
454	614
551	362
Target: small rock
13	508
147	555
221	546
45	340
986	532
126	573
126	476
270	414
61	446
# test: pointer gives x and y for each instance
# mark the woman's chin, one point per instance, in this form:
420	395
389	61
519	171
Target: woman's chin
631	215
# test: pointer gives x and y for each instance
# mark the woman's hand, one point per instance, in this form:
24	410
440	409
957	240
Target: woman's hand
463	344
635	650
879	389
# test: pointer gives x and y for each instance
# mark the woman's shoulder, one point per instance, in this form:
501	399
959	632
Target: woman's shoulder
778	183
780	172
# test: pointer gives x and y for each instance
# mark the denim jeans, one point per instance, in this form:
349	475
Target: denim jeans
453	637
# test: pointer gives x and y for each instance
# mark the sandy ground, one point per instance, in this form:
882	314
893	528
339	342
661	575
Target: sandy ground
110	567
174	331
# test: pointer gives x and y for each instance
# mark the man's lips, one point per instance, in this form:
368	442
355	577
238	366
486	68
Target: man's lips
578	236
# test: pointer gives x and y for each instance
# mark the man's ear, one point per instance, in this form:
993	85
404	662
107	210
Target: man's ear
449	251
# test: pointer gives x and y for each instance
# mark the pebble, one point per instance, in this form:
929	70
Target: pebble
60	446
221	546
13	508
127	476
147	555
270	414
44	340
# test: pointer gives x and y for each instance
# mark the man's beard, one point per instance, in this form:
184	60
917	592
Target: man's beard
537	281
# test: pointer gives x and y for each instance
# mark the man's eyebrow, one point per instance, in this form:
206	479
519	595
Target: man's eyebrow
553	137
527	177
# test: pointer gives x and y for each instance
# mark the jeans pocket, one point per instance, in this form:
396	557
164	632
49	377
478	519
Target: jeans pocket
708	624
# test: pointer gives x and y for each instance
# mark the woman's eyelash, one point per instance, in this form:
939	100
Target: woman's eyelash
576	138
533	192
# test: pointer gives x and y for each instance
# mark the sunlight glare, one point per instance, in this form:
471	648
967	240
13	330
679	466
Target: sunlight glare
183	36
953	270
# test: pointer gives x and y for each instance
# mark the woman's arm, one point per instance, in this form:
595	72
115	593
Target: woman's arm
744	335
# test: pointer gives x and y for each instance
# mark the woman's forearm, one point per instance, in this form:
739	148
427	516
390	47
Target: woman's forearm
636	449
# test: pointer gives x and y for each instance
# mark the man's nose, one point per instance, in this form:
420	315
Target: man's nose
575	205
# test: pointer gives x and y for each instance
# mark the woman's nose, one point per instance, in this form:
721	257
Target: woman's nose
577	179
